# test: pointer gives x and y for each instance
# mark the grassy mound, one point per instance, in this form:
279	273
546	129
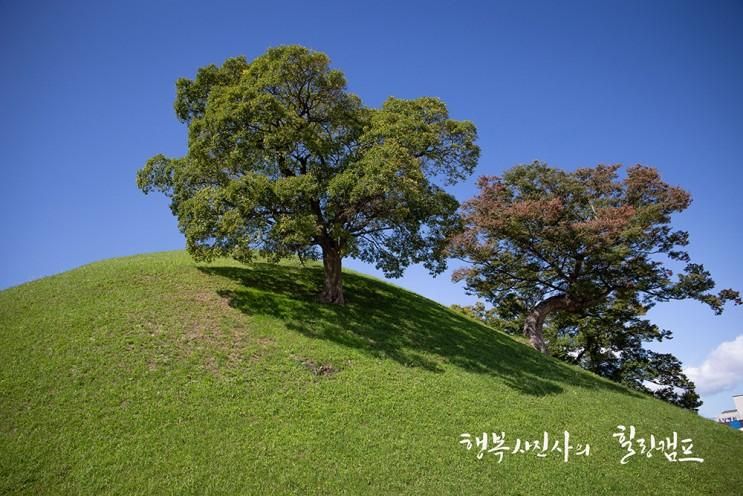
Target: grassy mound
153	374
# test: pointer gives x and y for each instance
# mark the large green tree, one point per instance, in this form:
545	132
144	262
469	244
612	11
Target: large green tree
540	241
283	160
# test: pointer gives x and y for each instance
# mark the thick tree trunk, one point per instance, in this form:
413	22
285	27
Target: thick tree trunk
333	292
536	316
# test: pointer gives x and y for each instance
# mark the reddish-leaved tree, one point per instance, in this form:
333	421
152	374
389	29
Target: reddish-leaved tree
545	240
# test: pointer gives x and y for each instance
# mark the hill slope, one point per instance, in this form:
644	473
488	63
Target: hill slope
152	374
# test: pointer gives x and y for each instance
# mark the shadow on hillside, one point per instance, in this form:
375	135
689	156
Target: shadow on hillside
390	322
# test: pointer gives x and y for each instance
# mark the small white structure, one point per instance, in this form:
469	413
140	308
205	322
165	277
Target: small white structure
738	399
728	416
733	418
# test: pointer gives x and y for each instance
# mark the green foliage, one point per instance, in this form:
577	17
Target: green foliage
152	374
609	340
283	160
505	317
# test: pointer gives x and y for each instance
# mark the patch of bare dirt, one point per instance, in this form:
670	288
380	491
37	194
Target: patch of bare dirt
317	369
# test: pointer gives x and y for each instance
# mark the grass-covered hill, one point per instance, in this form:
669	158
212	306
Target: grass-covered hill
153	374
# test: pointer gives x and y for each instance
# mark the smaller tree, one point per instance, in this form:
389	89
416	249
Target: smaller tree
543	240
609	340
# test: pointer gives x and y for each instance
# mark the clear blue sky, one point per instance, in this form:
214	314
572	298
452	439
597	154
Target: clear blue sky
87	92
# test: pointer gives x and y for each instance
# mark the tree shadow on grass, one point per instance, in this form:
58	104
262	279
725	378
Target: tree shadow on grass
389	322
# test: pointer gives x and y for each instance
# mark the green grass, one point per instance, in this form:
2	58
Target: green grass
156	375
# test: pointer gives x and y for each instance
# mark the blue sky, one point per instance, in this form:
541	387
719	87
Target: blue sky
87	93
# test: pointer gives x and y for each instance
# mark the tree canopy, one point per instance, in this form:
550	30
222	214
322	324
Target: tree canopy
283	160
539	240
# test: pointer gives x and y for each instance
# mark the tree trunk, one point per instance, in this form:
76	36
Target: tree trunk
333	292
536	316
